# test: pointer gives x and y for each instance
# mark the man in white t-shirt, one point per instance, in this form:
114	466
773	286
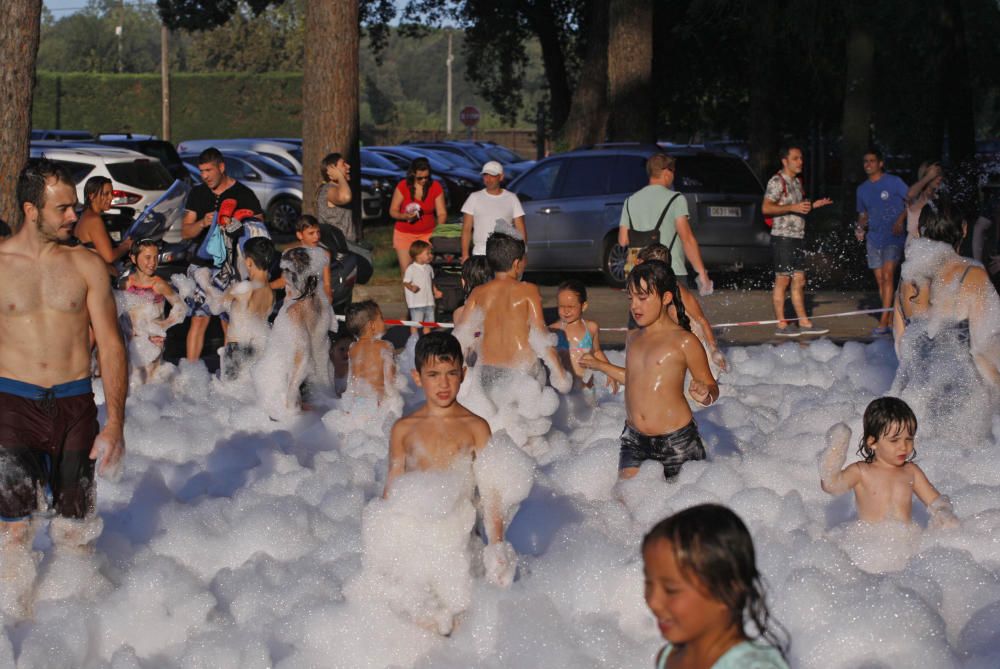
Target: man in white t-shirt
485	208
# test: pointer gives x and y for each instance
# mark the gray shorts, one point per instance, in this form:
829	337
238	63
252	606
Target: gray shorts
880	255
422	314
671	450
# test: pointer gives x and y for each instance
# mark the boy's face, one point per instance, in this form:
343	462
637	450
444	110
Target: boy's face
646	305
425	256
440	380
309	236
893	447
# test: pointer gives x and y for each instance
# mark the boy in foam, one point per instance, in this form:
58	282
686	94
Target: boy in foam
372	360
308	233
658	354
884	484
298	350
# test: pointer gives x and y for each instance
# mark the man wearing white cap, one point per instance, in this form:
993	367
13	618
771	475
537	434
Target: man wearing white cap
485	208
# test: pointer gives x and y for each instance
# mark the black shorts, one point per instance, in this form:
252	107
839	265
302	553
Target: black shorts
671	450
236	358
45	444
788	254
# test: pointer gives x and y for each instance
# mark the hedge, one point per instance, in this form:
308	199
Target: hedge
202	104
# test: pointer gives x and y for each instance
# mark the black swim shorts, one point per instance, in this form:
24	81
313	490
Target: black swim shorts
671	450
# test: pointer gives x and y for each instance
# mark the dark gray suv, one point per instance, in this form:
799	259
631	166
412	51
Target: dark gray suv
573	201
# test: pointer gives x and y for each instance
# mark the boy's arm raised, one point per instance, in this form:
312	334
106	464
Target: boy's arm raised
834	479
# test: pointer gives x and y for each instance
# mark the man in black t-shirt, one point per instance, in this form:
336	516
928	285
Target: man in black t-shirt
202	204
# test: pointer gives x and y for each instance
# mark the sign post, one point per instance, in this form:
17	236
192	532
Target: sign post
469	116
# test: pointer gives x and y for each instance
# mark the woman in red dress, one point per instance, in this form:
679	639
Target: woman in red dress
417	207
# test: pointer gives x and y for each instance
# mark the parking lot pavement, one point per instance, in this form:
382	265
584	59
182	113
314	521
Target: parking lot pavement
609	308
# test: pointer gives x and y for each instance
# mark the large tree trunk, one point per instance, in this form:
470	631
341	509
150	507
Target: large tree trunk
763	138
19	31
856	124
542	18
588	112
957	87
330	92
630	71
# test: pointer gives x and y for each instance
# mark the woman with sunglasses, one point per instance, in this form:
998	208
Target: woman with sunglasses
90	229
417	207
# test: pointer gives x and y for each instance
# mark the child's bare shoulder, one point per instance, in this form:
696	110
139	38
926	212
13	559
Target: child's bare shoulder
384	345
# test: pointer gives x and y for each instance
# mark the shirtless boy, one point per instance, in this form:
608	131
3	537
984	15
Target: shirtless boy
49	435
884	484
308	233
514	334
371	358
659	423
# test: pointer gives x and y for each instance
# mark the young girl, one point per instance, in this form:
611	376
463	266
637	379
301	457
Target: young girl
575	336
702	583
142	303
884	484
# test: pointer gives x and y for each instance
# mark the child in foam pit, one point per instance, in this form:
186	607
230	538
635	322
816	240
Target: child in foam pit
298	350
658	354
372	360
576	336
340	346
700	325
507	313
142	302
307	231
884	484
702	584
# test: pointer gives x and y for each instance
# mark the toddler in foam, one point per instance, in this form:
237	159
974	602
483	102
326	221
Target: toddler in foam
886	480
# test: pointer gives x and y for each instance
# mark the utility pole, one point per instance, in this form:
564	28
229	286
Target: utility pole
165	81
450	60
118	33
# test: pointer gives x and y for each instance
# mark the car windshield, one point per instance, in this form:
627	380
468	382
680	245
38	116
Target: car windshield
270	167
476	153
143	174
503	154
377	160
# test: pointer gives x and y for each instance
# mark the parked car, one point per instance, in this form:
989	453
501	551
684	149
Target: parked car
285	153
149	145
573	203
61	135
136	179
475	156
458	182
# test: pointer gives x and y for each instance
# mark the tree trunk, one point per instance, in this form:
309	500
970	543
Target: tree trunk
630	71
588	112
957	87
330	93
19	32
856	124
763	138
542	18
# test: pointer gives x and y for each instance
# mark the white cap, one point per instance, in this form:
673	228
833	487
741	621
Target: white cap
493	168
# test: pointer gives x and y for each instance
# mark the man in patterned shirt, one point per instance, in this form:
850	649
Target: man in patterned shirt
785	204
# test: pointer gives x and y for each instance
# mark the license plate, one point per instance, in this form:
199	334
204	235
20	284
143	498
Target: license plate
724	212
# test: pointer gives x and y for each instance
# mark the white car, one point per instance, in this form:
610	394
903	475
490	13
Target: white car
137	180
287	154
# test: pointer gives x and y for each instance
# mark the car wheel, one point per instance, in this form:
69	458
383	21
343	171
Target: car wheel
283	214
613	266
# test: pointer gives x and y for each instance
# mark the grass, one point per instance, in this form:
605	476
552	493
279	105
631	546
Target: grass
386	264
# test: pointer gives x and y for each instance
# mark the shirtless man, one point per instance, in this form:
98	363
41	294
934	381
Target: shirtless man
49	435
658	354
508	312
884	484
371	358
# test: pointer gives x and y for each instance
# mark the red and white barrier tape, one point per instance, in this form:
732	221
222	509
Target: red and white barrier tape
860	312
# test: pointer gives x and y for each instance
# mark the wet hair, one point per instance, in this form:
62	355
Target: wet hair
262	251
418	247
142	244
714	550
654	251
658	162
574	286
437	346
787	149
306	221
941	224
296	264
882	416
92	188
475	272
211	155
31	184
360	314
502	250
419	165
330	159
659	280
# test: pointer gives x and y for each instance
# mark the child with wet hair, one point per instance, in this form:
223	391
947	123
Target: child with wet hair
298	350
703	586
658	354
372	360
307	231
475	272
576	336
692	306
885	482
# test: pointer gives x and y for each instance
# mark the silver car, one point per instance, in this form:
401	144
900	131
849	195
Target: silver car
573	202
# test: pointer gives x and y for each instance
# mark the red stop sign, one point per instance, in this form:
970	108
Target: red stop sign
469	116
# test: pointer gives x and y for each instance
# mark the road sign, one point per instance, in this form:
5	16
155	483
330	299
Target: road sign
469	116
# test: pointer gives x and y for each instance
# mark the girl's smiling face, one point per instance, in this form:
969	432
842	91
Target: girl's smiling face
146	260
570	307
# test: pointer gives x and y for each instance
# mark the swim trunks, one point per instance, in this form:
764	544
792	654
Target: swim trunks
235	359
671	450
46	435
